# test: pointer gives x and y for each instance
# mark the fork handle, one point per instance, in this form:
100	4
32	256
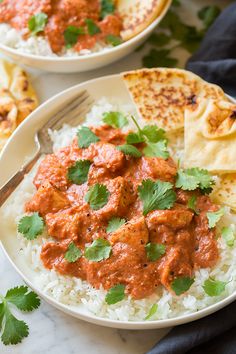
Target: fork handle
9	187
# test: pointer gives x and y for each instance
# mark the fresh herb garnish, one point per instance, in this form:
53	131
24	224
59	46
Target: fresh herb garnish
107	8
115	119
78	173
181	285
153	133
115	294
31	226
228	234
192	204
128	149
73	253
72	34
92	27
86	137
100	249
214	287
37	22
113	40
208	14
156	150
214	217
14	330
156	195
114	224
193	178
159	58
151	312
97	196
135	138
155	251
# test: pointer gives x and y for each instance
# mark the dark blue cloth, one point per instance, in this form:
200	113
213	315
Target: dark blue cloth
215	61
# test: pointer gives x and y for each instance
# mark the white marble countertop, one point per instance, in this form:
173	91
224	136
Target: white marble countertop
51	331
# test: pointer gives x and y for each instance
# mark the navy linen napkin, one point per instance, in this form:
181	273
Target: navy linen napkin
215	61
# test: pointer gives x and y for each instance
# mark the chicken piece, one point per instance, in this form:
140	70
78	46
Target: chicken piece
134	233
176	218
52	171
109	135
47	199
157	168
98	175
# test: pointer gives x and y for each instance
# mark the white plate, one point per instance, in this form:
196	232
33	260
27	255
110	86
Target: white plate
83	62
19	147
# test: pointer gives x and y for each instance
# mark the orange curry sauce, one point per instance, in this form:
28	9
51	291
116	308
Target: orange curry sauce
189	242
61	14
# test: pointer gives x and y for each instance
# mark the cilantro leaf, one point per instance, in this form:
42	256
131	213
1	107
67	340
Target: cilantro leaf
92	27
71	35
22	298
107	8
228	235
155	251
97	196
115	294
156	58
153	133
113	40
86	137
135	138
157	150
128	149
37	22
156	195
159	39
114	224
151	312
73	253
214	287
115	119
208	14
192	204
31	226
181	285
100	249
2	309
214	217
193	178
78	173
14	330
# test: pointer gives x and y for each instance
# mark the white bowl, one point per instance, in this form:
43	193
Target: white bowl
19	147
83	62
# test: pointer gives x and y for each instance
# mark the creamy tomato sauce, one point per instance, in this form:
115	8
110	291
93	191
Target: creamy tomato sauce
61	14
189	242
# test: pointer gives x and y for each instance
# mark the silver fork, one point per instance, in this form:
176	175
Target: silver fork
70	113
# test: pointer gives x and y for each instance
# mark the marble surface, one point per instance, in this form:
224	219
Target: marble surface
51	331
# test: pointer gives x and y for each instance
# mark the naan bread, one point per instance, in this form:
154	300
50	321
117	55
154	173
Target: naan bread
226	192
210	136
138	15
8	116
161	95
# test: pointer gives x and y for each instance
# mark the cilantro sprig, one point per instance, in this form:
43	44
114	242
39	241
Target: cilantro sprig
73	253
78	173
12	329
115	119
92	27
114	224
214	287
128	149
155	251
37	22
86	137
192	204
151	312
113	40
31	226
214	217
115	294
99	250
71	35
228	234
97	196
107	8
193	178
181	284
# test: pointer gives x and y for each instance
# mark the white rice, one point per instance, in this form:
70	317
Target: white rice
73	291
39	45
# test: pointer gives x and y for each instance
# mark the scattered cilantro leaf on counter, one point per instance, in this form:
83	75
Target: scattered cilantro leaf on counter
86	137
12	329
181	285
73	253
159	39
37	22
193	178
175	3
115	294
100	249
113	40
151	312
214	287
228	234
97	196
192	204
158	149
114	224
107	8
128	149
115	119
156	195
208	14
156	58
153	133
92	27
71	35
31	226
155	251
214	217
78	173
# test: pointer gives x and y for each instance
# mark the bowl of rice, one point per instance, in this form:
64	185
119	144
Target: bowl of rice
76	36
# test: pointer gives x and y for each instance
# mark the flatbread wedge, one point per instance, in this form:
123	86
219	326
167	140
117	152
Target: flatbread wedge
138	15
161	95
226	192
210	136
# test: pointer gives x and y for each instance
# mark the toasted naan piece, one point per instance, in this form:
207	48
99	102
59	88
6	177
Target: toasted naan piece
226	192
161	95
210	136
8	116
138	15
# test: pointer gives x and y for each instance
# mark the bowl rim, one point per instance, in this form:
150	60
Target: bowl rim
94	55
132	325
